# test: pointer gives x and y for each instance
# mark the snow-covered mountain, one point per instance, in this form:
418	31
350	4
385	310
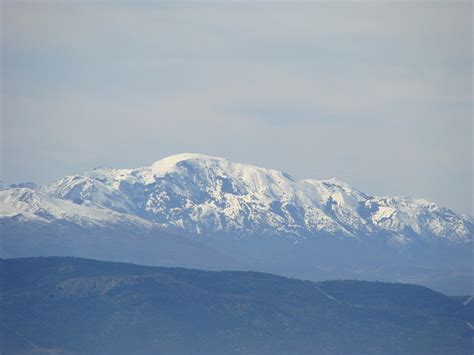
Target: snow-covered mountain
207	212
206	195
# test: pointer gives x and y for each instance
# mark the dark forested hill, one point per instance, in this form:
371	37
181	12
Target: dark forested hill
72	305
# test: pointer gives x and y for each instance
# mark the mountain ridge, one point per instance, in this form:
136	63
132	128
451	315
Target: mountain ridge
210	195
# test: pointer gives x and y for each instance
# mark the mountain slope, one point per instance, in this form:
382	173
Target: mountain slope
28	204
35	224
78	305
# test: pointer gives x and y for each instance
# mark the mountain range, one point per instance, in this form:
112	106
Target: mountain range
200	211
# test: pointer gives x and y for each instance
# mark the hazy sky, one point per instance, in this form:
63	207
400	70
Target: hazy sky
377	94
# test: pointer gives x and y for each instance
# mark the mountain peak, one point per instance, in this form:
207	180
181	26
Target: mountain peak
169	163
176	158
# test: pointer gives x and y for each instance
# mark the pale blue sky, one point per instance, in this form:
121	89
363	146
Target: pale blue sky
377	94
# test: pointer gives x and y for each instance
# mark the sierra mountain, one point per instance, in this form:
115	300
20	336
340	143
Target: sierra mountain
199	211
207	195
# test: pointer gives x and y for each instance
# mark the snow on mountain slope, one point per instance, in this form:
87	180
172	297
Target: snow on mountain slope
27	204
418	216
206	195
